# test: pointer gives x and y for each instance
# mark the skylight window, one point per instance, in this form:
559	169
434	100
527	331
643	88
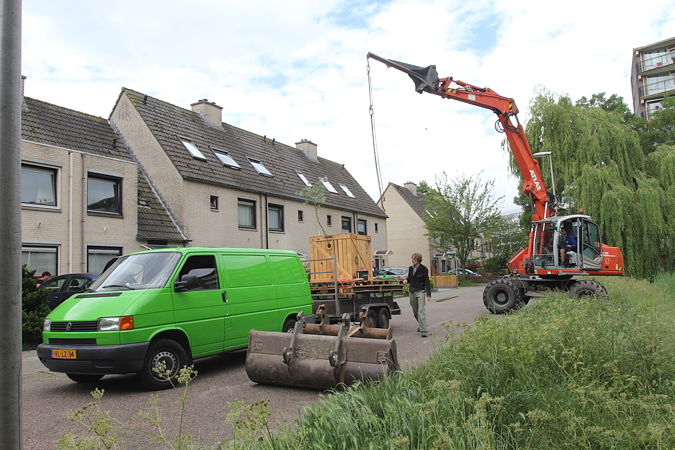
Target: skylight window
259	167
192	148
304	179
225	158
347	191
328	185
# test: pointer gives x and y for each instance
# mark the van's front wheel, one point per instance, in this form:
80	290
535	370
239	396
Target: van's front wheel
162	363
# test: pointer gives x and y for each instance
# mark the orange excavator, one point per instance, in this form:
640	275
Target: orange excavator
561	248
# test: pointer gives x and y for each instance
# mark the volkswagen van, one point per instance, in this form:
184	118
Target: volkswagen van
172	306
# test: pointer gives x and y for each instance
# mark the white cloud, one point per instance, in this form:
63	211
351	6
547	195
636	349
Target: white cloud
297	69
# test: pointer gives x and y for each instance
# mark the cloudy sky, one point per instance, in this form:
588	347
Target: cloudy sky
296	69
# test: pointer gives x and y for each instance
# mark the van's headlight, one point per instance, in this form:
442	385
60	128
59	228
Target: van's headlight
116	323
46	325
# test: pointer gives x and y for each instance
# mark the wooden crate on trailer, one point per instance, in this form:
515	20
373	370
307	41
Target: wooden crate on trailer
352	252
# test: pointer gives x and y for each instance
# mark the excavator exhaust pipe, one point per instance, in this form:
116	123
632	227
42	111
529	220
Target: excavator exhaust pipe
321	356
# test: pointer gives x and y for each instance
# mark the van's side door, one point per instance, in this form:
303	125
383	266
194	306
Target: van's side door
251	297
200	310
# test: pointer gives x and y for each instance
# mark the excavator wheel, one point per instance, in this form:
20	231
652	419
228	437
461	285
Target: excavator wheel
501	296
587	288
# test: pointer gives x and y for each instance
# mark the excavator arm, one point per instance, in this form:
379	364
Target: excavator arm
426	80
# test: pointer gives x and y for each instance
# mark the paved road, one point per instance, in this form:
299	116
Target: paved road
48	398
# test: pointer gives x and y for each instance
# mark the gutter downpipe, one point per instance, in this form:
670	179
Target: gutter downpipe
70	212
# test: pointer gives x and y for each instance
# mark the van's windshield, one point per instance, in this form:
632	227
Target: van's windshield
140	271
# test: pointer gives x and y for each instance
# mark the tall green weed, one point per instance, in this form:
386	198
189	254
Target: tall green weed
561	373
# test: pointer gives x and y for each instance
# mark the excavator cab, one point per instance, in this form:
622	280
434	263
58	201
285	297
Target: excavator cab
579	231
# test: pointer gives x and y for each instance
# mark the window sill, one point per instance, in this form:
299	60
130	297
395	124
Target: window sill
247	229
277	231
104	214
40	208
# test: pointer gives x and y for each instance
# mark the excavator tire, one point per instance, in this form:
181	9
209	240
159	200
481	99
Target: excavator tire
587	288
501	296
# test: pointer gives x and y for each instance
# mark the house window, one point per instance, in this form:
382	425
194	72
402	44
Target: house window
275	217
259	167
225	158
213	201
376	230
104	194
346	224
40	258
301	215
98	257
247	213
38	185
347	191
361	227
304	179
328	186
329	220
192	148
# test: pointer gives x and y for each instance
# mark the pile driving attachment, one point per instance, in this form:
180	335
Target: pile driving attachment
321	356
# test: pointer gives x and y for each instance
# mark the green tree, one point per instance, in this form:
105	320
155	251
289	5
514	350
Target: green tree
601	168
459	211
315	195
34	308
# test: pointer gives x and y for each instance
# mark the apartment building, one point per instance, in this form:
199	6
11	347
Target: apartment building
652	76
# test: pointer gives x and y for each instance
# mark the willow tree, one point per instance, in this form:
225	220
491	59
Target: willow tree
460	211
600	168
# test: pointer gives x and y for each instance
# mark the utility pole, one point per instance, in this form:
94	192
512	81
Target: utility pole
10	224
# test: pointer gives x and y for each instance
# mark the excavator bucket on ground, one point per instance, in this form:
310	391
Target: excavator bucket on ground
321	356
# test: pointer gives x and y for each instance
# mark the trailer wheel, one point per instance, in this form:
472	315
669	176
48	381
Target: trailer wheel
587	289
383	318
289	325
500	296
371	320
84	378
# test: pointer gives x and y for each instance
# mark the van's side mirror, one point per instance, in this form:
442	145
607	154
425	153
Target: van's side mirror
186	283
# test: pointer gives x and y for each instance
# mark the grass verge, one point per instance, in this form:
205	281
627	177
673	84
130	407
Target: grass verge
561	373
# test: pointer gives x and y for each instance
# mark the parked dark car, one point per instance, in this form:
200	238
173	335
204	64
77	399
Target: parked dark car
399	273
63	286
464	273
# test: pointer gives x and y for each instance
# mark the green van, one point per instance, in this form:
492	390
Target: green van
173	306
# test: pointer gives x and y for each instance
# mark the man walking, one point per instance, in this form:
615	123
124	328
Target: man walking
420	287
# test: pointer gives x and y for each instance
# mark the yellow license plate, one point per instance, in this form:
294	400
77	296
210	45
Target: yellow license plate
64	354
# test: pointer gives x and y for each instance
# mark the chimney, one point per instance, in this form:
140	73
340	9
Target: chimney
211	113
308	148
412	187
23	85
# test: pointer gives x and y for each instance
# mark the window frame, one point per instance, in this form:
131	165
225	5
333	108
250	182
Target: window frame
280	209
347	191
118	183
301	215
327	184
39	248
303	178
365	227
249	203
329	220
111	250
194	152
342	224
213	206
229	160
55	184
260	167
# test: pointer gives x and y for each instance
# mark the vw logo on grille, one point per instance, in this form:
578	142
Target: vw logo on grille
69	326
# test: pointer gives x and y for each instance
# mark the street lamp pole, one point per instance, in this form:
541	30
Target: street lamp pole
10	224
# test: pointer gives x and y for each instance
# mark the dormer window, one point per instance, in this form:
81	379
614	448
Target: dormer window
347	191
225	158
328	186
304	179
192	148
259	167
